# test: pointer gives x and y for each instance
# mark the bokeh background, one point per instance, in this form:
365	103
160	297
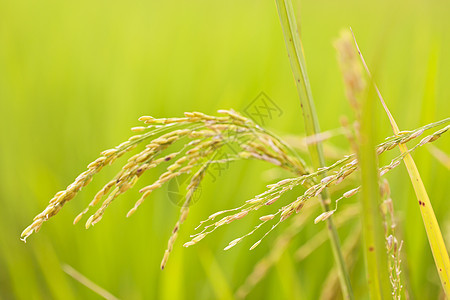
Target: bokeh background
76	75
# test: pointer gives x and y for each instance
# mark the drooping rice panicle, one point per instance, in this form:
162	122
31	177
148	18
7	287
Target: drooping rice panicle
207	133
278	189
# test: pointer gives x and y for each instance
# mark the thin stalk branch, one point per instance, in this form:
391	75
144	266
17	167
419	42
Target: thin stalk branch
88	283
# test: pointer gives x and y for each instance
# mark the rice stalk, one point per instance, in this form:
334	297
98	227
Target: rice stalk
349	248
295	52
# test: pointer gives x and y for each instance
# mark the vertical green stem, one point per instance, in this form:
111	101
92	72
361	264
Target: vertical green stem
374	250
296	57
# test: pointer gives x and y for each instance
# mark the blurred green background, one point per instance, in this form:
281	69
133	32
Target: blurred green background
76	75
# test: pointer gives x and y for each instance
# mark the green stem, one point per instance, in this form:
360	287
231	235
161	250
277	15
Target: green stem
374	248
296	57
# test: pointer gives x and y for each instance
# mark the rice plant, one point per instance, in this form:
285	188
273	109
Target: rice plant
189	145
